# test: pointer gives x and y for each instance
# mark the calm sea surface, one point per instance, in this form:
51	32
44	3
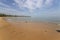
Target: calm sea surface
41	19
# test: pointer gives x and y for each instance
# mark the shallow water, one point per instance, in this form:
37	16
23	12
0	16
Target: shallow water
15	19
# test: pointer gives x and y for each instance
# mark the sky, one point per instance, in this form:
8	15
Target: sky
34	8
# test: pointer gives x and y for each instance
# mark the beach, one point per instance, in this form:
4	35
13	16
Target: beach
28	30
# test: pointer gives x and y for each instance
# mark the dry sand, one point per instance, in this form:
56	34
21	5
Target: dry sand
28	31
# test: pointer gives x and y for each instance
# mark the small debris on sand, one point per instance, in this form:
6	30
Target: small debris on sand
58	30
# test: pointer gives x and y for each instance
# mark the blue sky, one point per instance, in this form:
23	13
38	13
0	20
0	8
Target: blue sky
30	7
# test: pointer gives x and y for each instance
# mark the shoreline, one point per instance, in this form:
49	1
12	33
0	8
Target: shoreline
19	19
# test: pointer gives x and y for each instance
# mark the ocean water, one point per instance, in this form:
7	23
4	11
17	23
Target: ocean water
33	19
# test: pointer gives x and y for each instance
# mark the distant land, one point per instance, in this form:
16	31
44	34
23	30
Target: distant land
5	15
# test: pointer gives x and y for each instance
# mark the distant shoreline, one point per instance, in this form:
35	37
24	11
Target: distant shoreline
5	15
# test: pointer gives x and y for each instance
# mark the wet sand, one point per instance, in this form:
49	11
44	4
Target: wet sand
28	31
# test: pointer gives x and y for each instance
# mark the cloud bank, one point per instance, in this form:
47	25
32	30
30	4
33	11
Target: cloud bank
29	5
34	4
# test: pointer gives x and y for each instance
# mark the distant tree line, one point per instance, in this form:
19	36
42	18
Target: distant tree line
5	15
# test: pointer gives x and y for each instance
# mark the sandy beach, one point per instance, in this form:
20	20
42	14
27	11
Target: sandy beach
28	31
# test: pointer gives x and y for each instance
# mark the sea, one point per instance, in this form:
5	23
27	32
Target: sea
34	19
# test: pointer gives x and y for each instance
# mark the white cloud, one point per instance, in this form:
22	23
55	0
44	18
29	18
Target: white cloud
49	3
30	4
33	4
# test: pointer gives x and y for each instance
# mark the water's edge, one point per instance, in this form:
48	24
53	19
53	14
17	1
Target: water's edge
18	19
